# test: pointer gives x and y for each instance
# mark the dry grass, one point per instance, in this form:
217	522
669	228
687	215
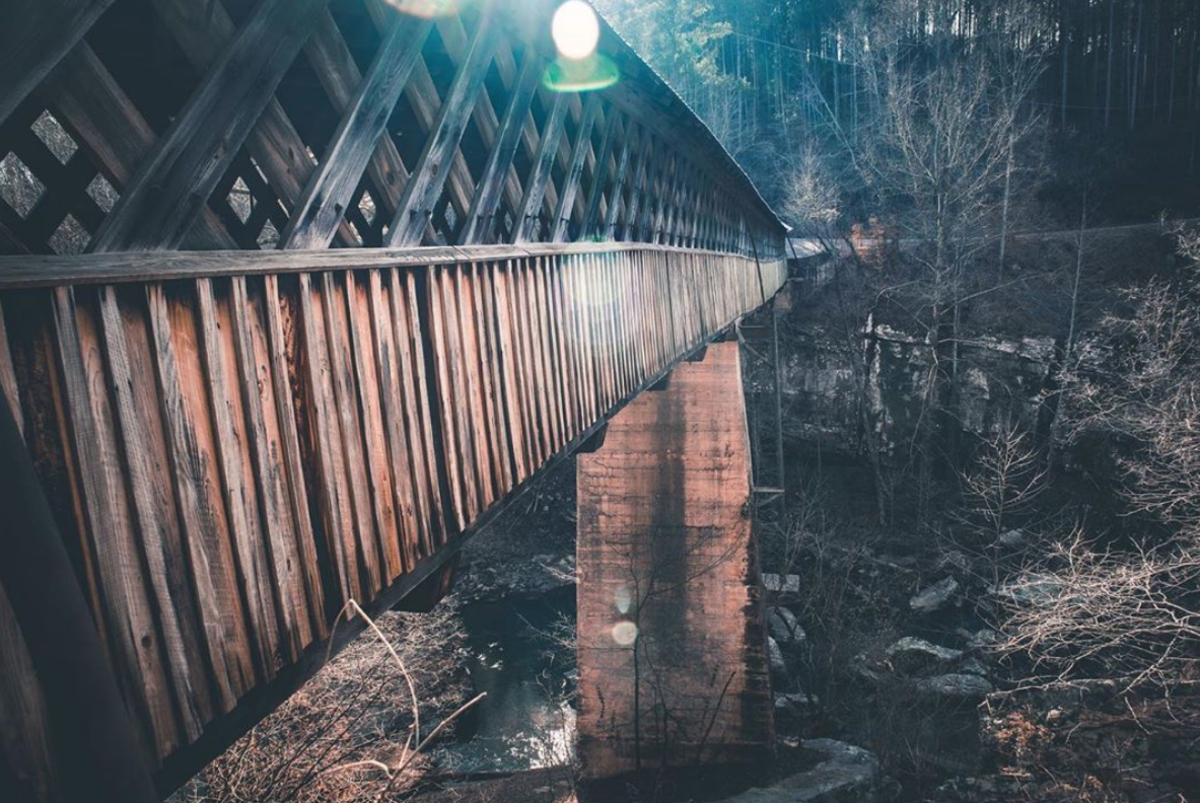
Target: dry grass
349	734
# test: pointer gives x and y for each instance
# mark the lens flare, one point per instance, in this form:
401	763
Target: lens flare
595	72
623	599
624	633
575	29
426	9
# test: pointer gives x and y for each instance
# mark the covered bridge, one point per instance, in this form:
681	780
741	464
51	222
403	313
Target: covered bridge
294	295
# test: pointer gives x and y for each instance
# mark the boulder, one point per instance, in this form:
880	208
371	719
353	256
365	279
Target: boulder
959	686
784	627
845	774
1013	539
974	666
911	655
781	584
935	597
795	704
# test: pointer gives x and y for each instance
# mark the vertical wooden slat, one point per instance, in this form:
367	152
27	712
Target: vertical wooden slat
331	469
509	357
405	483
283	362
378	465
445	361
474	400
128	616
345	395
201	512
238	485
280	529
154	519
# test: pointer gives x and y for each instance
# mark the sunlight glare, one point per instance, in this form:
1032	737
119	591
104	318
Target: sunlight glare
624	633
575	29
426	9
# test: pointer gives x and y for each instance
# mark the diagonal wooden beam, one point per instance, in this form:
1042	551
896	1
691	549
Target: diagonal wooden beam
600	173
34	36
539	174
480	217
158	207
608	226
85	96
429	173
638	189
331	188
583	146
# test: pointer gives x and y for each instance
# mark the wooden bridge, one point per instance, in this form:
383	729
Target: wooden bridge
296	295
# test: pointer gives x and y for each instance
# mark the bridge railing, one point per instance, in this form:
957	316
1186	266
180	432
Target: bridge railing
234	444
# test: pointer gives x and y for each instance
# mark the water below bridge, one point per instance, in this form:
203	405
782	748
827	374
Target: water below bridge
520	653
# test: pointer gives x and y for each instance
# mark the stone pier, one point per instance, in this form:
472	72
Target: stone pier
673	666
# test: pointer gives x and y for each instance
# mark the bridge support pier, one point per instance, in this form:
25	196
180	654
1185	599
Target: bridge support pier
673	668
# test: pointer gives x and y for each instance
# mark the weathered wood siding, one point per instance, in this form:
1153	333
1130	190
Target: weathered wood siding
233	458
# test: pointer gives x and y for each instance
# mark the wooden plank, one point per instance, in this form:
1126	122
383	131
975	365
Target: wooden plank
480	220
204	32
154	515
509	358
330	189
344	393
240	500
35	270
407	501
553	376
474	401
196	481
381	482
579	153
257	388
411	342
333	481
563	362
428	178
445	362
36	35
285	365
539	174
159	205
129	619
485	310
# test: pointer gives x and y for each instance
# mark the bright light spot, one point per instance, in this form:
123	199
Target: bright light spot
623	599
426	9
624	633
575	29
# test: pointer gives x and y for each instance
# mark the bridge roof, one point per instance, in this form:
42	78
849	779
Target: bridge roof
128	125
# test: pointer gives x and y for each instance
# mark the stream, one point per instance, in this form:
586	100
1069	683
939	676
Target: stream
527	720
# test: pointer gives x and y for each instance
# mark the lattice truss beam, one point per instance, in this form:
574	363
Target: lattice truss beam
304	124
